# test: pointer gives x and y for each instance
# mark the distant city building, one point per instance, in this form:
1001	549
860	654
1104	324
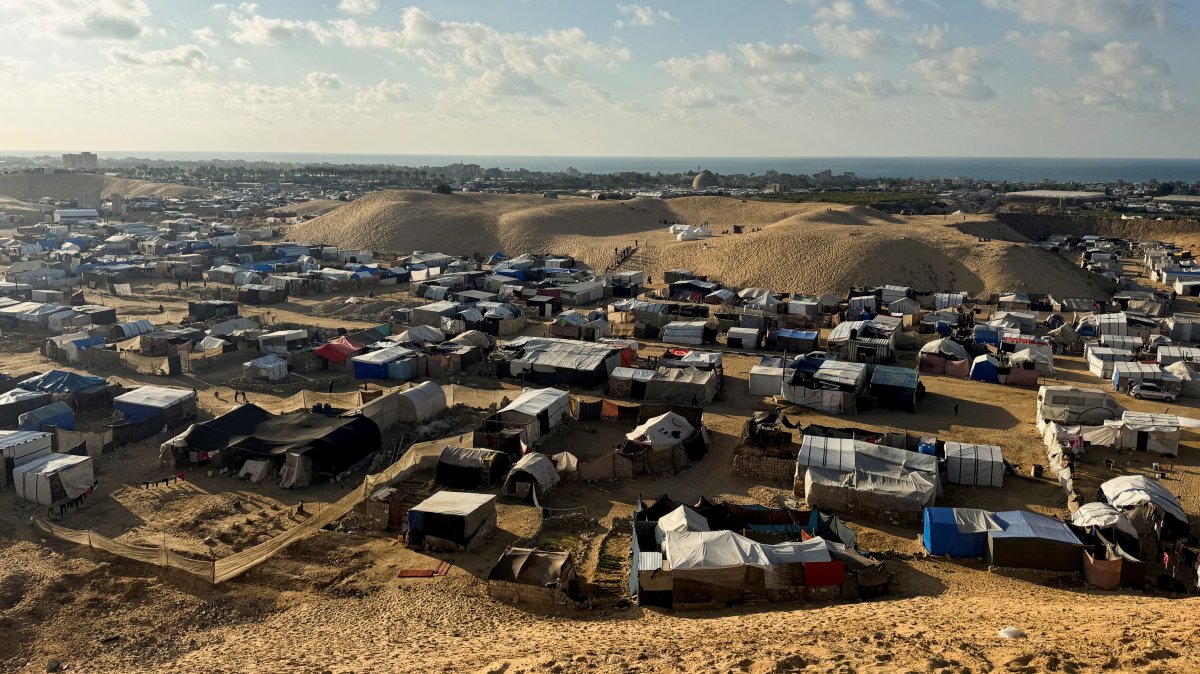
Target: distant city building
81	161
705	179
774	188
1191	201
118	205
1055	197
825	177
68	216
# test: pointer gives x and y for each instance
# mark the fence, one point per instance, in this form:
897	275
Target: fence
420	456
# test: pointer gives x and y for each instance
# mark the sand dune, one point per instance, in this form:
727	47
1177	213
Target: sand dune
797	248
34	186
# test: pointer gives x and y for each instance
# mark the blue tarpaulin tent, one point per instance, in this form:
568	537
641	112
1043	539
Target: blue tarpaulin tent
61	381
986	334
985	368
944	532
54	415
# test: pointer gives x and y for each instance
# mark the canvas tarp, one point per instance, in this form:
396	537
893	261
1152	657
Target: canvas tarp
1130	491
974	465
1102	516
662	431
534	467
680	519
54	478
704	550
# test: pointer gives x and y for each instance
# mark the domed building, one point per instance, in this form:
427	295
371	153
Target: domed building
704	179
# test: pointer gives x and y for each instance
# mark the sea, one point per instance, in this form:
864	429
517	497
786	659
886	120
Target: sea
1012	169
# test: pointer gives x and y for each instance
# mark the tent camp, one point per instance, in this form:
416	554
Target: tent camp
54	478
986	368
895	387
974	465
451	519
1142	431
471	467
150	402
1033	541
529	575
1099	515
680	519
958	532
531	476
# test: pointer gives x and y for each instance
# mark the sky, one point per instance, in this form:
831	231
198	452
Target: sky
1055	78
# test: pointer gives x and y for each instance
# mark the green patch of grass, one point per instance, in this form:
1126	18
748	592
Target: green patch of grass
562	542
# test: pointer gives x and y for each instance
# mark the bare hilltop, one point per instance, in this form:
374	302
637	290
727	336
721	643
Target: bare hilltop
807	247
34	186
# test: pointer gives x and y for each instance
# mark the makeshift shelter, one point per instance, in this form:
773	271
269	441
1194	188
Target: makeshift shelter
421	334
1142	431
394	362
529	575
689	333
766	378
451	519
48	418
267	368
958	532
18	448
1139	497
18	401
54	478
82	392
1099	515
680	519
421	402
535	413
339	351
796	341
665	430
531	476
1032	541
471	467
159	404
986	368
326	443
974	465
552	361
743	338
895	387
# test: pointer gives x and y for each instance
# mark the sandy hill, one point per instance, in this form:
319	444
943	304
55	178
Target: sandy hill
314	207
787	247
34	186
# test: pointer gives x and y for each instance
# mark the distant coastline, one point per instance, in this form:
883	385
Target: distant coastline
1011	169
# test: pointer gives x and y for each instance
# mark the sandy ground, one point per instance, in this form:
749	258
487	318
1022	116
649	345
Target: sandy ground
333	603
814	248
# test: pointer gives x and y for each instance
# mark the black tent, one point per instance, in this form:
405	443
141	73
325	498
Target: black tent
333	443
471	468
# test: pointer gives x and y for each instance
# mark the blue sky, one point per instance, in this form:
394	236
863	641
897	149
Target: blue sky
769	77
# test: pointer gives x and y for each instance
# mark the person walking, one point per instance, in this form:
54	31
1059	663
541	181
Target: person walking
955	409
331	386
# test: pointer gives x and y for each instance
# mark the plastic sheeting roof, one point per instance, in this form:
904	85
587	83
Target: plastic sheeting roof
456	503
697	550
1024	524
680	519
1128	491
1102	516
664	430
532	401
61	381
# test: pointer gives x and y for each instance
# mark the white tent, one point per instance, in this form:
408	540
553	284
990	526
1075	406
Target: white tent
974	465
421	333
766	378
1102	516
18	448
539	409
54	478
684	332
665	430
421	402
534	467
946	347
695	550
269	367
1131	491
680	519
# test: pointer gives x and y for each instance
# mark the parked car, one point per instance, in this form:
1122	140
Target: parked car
1148	391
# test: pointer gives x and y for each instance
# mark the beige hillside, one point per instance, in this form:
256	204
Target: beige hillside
34	186
795	247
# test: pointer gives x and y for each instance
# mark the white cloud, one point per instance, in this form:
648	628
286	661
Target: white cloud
956	74
785	85
382	95
1125	77
887	9
502	83
692	98
764	56
1093	16
691	67
186	56
241	64
83	19
866	85
250	27
1060	47
932	36
359	6
12	68
641	15
860	44
590	90
323	81
206	36
840	11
